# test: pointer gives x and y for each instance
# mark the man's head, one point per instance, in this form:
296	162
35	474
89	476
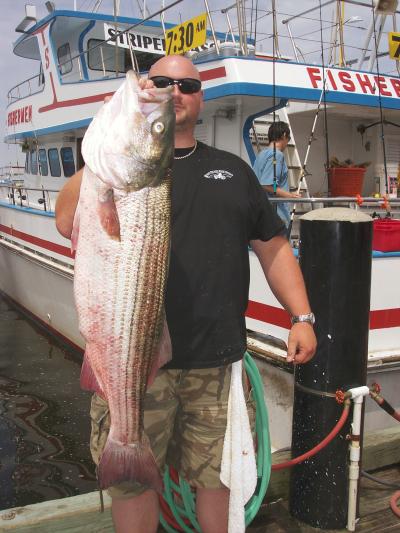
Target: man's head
187	104
279	132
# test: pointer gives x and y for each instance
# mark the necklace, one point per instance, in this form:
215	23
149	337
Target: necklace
190	153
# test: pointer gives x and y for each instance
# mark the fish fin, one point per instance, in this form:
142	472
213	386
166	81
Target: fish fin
75	229
163	352
88	378
129	462
108	214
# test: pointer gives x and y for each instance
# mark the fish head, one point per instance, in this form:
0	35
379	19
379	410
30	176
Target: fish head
129	144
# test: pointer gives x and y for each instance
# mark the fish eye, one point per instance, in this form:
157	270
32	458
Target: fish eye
158	127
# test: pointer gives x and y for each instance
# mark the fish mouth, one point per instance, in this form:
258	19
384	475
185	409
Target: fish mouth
150	99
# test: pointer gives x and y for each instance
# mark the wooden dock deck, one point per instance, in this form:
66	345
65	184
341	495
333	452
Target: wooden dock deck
80	514
375	513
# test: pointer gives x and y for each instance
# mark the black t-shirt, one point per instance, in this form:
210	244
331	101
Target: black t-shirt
218	206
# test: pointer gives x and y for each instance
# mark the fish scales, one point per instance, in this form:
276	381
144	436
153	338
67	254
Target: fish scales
120	282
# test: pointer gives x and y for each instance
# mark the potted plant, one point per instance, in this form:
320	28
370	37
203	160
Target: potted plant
345	177
25	146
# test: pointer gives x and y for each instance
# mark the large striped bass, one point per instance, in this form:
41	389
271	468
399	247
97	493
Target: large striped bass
122	239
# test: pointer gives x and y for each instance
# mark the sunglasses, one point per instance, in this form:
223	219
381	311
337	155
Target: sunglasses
185	85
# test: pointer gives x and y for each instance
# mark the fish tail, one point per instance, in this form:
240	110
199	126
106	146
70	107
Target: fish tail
129	462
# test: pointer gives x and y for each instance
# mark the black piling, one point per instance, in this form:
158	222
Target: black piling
335	257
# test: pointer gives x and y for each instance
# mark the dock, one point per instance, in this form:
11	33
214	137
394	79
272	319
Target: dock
81	514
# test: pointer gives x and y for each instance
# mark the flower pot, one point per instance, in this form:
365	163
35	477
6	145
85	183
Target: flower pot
347	181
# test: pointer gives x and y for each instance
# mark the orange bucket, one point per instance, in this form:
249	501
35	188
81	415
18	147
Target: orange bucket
346	181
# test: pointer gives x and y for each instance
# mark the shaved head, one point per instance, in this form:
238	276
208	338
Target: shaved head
175	67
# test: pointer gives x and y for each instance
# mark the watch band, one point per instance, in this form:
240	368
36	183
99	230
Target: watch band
309	317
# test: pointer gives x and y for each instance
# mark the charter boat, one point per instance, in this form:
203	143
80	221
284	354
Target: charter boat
82	57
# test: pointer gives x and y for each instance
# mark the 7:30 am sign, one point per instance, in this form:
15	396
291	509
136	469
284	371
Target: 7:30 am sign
188	35
394	45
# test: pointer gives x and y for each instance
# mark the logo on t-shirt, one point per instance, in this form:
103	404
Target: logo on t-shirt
218	175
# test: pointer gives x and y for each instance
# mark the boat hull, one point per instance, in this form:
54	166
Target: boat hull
37	274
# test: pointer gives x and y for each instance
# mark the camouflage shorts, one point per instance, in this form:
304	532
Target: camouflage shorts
185	420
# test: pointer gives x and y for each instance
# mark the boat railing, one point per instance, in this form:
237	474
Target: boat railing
26	88
11	170
356	201
38	198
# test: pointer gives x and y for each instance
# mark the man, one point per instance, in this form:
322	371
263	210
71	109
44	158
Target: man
213	221
276	184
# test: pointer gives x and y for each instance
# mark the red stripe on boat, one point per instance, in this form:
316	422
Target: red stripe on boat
269	314
379	318
48	245
384	318
205	75
77	101
212	73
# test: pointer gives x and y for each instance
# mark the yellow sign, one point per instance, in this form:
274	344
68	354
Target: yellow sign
394	45
188	35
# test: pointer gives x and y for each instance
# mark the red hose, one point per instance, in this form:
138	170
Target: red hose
393	503
321	445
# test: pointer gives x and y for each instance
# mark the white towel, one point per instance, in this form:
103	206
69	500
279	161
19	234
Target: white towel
238	467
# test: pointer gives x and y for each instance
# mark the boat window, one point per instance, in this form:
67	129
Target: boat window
54	161
101	56
67	158
43	166
34	162
64	59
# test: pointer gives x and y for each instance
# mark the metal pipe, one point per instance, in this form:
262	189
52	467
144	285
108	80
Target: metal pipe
212	26
375	48
228	19
395	31
336	199
292	41
366	44
244	32
240	24
275	31
357	395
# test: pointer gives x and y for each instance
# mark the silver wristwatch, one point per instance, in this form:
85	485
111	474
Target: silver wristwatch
309	317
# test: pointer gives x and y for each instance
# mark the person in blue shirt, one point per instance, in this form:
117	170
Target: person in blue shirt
278	135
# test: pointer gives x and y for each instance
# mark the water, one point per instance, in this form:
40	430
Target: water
44	420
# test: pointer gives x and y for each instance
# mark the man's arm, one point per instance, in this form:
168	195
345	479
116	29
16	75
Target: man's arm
286	282
280	192
67	201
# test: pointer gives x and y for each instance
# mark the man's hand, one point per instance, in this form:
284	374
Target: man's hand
302	343
145	83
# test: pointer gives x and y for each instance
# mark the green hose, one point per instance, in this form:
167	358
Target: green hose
185	511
